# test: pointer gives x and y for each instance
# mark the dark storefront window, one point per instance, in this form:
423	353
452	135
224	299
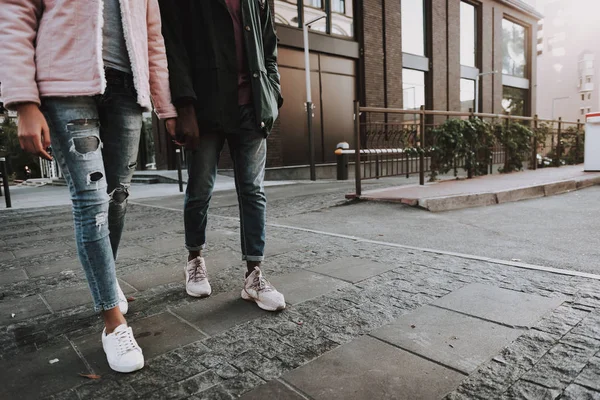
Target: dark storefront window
467	95
514	100
468	34
514	48
413	27
413	88
339	15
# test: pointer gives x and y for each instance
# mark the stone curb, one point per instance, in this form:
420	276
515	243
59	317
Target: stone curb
461	201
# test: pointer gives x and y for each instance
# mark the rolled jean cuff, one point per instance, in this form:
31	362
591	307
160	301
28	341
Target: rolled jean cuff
106	307
195	248
253	258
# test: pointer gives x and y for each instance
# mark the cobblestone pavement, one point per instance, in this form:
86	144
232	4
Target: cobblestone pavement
362	315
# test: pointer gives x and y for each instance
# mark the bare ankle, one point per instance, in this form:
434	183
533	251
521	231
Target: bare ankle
112	319
251	265
194	254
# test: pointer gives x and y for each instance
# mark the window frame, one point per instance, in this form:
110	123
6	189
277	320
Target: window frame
326	7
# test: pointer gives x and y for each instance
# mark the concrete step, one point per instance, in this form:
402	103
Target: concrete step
148	180
58	182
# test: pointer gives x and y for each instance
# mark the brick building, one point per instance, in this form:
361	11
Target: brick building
401	54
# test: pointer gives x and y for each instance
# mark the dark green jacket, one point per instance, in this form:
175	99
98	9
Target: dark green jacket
200	44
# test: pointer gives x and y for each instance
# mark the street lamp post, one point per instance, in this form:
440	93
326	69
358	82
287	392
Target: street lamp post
477	88
309	105
554	101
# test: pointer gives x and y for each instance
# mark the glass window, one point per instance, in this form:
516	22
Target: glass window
467	95
413	88
588	79
286	12
313	3
468	34
413	27
514	100
589	96
342	18
514	49
583	97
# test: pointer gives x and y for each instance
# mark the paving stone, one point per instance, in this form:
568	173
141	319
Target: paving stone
220	312
276	247
32	376
590	326
368	368
155	335
222	259
153	276
303	285
590	376
499	305
263	367
217	392
74	296
24	308
576	392
273	390
55	267
353	269
242	384
168	243
129	252
452	339
6	255
105	389
559	367
12	276
38	250
561	320
530	391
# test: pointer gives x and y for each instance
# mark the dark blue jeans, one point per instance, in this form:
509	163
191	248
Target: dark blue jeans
248	148
95	141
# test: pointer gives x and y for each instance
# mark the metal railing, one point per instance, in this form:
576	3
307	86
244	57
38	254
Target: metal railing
394	142
4	176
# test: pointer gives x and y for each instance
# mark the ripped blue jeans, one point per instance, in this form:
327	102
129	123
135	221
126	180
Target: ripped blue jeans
95	141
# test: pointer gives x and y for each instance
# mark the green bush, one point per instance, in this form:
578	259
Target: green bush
469	140
516	139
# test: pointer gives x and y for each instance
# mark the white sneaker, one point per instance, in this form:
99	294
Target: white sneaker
196	280
260	291
123	303
122	351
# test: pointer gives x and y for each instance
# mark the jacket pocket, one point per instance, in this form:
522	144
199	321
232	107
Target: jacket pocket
269	102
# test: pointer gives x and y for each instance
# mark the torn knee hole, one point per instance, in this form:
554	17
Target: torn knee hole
119	195
95	176
86	144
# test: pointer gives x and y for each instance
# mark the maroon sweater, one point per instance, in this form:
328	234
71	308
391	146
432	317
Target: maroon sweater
244	84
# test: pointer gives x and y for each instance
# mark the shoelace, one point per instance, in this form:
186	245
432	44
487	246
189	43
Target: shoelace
198	273
260	284
125	341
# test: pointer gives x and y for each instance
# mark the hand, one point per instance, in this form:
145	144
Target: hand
170	125
187	127
34	134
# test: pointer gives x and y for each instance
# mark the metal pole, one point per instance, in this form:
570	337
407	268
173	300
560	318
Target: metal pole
535	141
179	177
309	105
477	94
559	148
5	182
422	146
357	177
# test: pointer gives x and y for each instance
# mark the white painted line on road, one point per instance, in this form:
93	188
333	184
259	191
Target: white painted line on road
514	264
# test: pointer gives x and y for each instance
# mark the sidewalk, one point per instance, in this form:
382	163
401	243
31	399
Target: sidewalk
488	190
365	319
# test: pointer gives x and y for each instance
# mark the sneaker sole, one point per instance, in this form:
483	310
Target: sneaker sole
261	305
127	370
198	295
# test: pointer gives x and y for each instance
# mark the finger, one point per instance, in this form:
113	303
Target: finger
39	149
46	135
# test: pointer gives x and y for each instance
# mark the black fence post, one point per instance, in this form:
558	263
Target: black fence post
179	177
4	174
